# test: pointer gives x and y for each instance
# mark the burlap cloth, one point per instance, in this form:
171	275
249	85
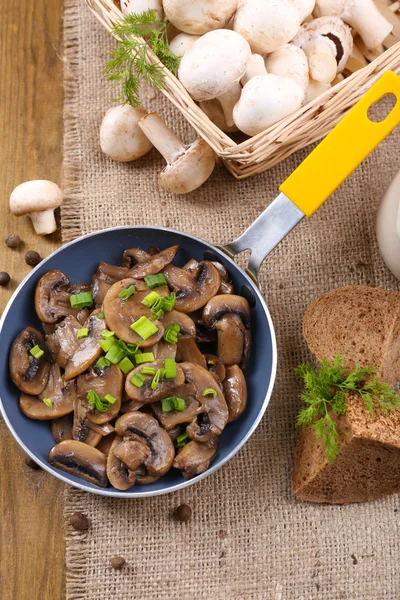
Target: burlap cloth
249	538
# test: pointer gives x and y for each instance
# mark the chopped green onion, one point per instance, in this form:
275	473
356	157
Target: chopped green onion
115	354
107	334
103	363
110	399
144	327
148	371
179	404
126	365
156	379
137	380
48	402
167	405
100	315
182	440
171	333
157	314
81	300
36	352
144	357
99	404
107	344
168	302
125	294
155	281
170	368
210	392
129	349
151	299
82	333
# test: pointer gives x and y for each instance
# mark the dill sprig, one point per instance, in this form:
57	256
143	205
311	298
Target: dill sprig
325	392
136	34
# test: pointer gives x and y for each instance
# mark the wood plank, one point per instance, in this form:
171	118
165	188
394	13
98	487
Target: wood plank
31	100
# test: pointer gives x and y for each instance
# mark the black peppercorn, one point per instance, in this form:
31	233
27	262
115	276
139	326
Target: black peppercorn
183	513
79	521
13	241
4	278
117	562
32	258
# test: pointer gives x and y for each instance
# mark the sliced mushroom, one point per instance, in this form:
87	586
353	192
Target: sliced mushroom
229	314
104	381
105	276
29	374
216	367
61	395
61	428
175	431
105	443
129	405
81	460
52	297
162	452
193	292
146	395
169	420
146	479
186	324
103	430
63	342
235	390
189	351
195	458
88	349
226	286
154	264
213	416
164	350
124	457
133	256
204	336
120	314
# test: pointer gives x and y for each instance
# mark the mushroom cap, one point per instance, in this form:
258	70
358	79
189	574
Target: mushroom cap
80	460
268	24
335	34
265	101
182	43
29	374
190	170
153	264
289	61
120	135
61	395
139	6
193	292
162	451
201	16
305	8
35	196
207	70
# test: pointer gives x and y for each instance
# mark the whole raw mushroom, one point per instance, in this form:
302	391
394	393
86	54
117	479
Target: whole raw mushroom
363	15
289	61
267	24
255	68
120	135
188	167
207	70
201	16
129	7
182	43
38	199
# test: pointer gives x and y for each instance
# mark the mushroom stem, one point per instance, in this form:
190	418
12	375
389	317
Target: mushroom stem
162	137
44	222
228	102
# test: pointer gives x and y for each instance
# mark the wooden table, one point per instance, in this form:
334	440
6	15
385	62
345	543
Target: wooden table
31	532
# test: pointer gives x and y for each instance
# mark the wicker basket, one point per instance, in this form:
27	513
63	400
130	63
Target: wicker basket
309	124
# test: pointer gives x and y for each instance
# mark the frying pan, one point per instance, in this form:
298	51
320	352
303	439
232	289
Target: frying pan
301	194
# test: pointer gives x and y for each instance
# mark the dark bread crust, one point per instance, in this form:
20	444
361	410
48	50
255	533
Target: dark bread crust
363	325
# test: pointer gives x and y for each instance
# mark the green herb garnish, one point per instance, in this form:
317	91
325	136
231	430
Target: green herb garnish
144	357
182	440
171	333
81	300
170	368
144	327
126	365
48	402
36	352
137	380
83	332
127	293
103	363
155	281
100	404
173	403
325	393
210	392
136	35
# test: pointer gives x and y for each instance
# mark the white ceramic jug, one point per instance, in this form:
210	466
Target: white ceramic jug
388	227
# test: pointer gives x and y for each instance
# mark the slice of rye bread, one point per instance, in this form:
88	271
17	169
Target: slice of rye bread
359	322
367	466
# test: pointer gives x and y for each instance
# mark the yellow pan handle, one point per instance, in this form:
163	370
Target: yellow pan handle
343	149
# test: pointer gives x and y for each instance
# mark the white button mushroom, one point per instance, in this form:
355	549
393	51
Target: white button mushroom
305	8
255	67
188	166
214	112
38	199
201	16
266	100
388	227
214	67
363	15
328	45
120	135
267	24
315	89
129	7
182	43
289	61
